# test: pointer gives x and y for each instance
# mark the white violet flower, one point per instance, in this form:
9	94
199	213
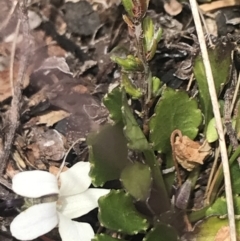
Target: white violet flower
74	199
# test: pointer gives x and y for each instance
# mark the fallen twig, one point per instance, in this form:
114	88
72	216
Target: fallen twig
9	16
13	114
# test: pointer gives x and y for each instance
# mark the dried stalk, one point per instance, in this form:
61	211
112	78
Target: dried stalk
219	127
228	118
211	178
13	50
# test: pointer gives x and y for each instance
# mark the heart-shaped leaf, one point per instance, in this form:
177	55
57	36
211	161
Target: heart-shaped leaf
136	138
107	154
113	101
211	134
220	207
117	212
174	110
105	237
220	60
136	178
235	174
211	229
162	232
237	127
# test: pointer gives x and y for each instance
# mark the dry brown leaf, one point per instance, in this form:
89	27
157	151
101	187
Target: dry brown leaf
6	90
19	161
54	62
187	152
81	89
10	171
208	7
49	119
223	234
38	97
52	117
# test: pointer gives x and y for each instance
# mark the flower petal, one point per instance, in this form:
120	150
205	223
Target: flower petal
74	231
75	180
35	221
35	184
80	204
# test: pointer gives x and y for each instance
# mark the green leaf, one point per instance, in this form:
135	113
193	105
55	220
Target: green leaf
207	229
136	178
162	232
130	63
128	6
221	107
237	127
129	87
105	237
107	154
113	102
148	30
136	138
211	134
153	49
156	83
235	174
220	59
158	35
219	207
117	212
151	38
159	188
174	110
119	51
198	214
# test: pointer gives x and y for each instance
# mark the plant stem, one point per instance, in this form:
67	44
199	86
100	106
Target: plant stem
157	177
146	82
